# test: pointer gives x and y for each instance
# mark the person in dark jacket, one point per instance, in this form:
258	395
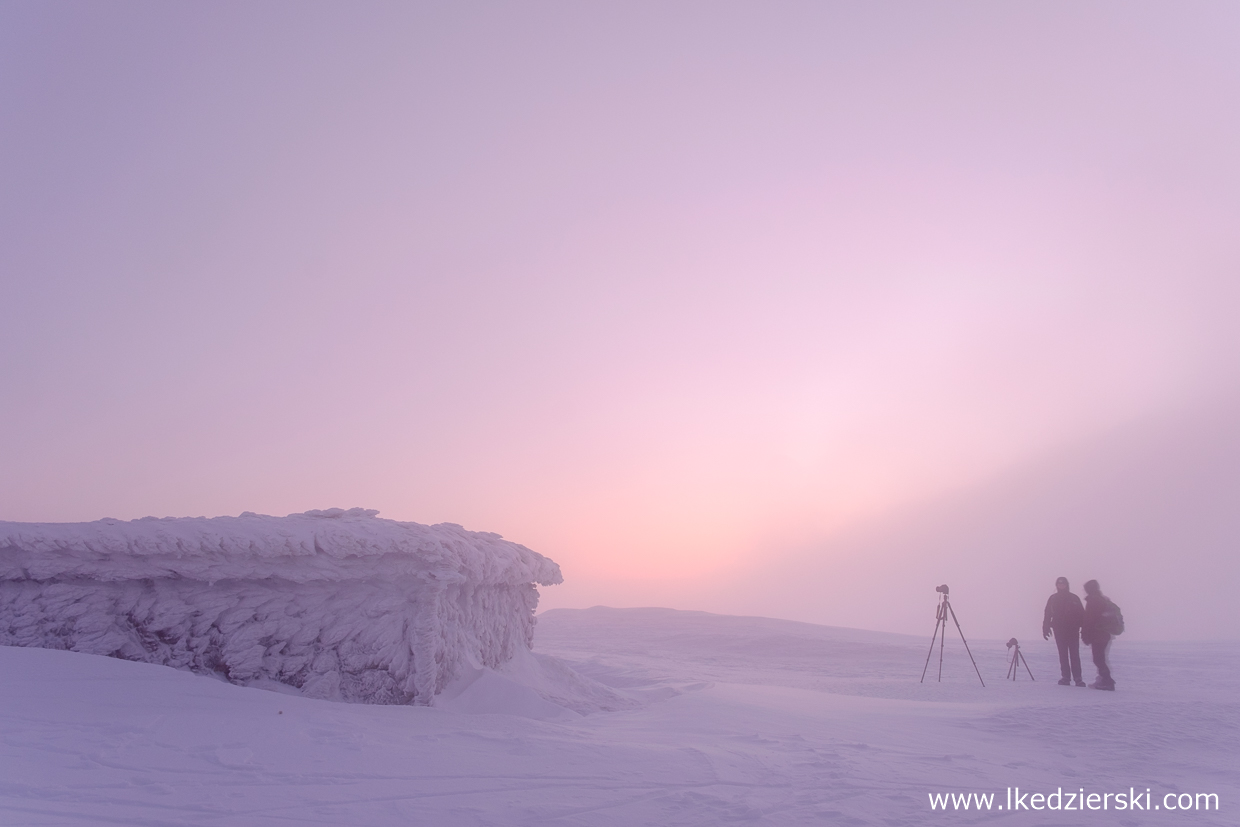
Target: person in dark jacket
1094	632
1064	614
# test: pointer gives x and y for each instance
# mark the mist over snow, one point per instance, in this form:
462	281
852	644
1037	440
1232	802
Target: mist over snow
758	321
1148	509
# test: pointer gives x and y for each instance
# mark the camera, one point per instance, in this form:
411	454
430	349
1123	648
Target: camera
1012	643
941	589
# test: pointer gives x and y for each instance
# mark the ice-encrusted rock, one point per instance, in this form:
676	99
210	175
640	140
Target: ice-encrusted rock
337	603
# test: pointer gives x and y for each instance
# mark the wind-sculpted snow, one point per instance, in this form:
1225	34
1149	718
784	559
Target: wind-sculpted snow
741	720
338	604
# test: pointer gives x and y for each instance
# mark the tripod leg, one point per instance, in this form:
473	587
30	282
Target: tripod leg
966	643
942	640
1011	673
931	652
1027	669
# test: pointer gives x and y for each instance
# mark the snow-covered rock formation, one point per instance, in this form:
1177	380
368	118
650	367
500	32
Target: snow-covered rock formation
339	604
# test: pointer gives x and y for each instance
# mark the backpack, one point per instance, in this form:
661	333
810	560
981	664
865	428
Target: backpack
1112	621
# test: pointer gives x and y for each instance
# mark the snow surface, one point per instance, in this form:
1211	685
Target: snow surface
718	720
334	604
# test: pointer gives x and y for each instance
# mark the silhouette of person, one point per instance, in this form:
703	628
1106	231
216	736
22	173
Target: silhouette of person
1095	632
1064	614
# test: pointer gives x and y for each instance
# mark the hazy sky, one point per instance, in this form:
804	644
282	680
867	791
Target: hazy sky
678	294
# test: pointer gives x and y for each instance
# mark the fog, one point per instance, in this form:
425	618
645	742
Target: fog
1148	510
797	310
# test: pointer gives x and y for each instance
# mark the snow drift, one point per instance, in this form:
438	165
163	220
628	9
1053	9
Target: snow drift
338	604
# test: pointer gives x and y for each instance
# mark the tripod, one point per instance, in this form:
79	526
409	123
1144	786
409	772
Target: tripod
1017	658
940	622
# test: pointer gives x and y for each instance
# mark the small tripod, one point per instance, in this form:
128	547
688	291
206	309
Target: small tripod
940	622
1017	658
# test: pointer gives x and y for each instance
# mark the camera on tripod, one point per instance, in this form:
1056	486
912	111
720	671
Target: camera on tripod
1017	659
941	614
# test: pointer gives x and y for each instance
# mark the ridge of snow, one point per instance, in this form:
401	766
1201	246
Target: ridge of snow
330	544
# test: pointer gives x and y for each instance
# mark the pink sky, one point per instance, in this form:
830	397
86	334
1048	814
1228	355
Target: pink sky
681	295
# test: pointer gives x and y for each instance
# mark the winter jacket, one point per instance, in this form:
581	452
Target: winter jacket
1093	627
1064	614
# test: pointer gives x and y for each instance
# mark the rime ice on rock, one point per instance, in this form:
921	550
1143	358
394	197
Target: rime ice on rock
340	604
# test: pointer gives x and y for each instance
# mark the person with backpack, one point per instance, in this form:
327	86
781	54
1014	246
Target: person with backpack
1064	614
1103	621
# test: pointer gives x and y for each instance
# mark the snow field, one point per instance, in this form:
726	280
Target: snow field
728	720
